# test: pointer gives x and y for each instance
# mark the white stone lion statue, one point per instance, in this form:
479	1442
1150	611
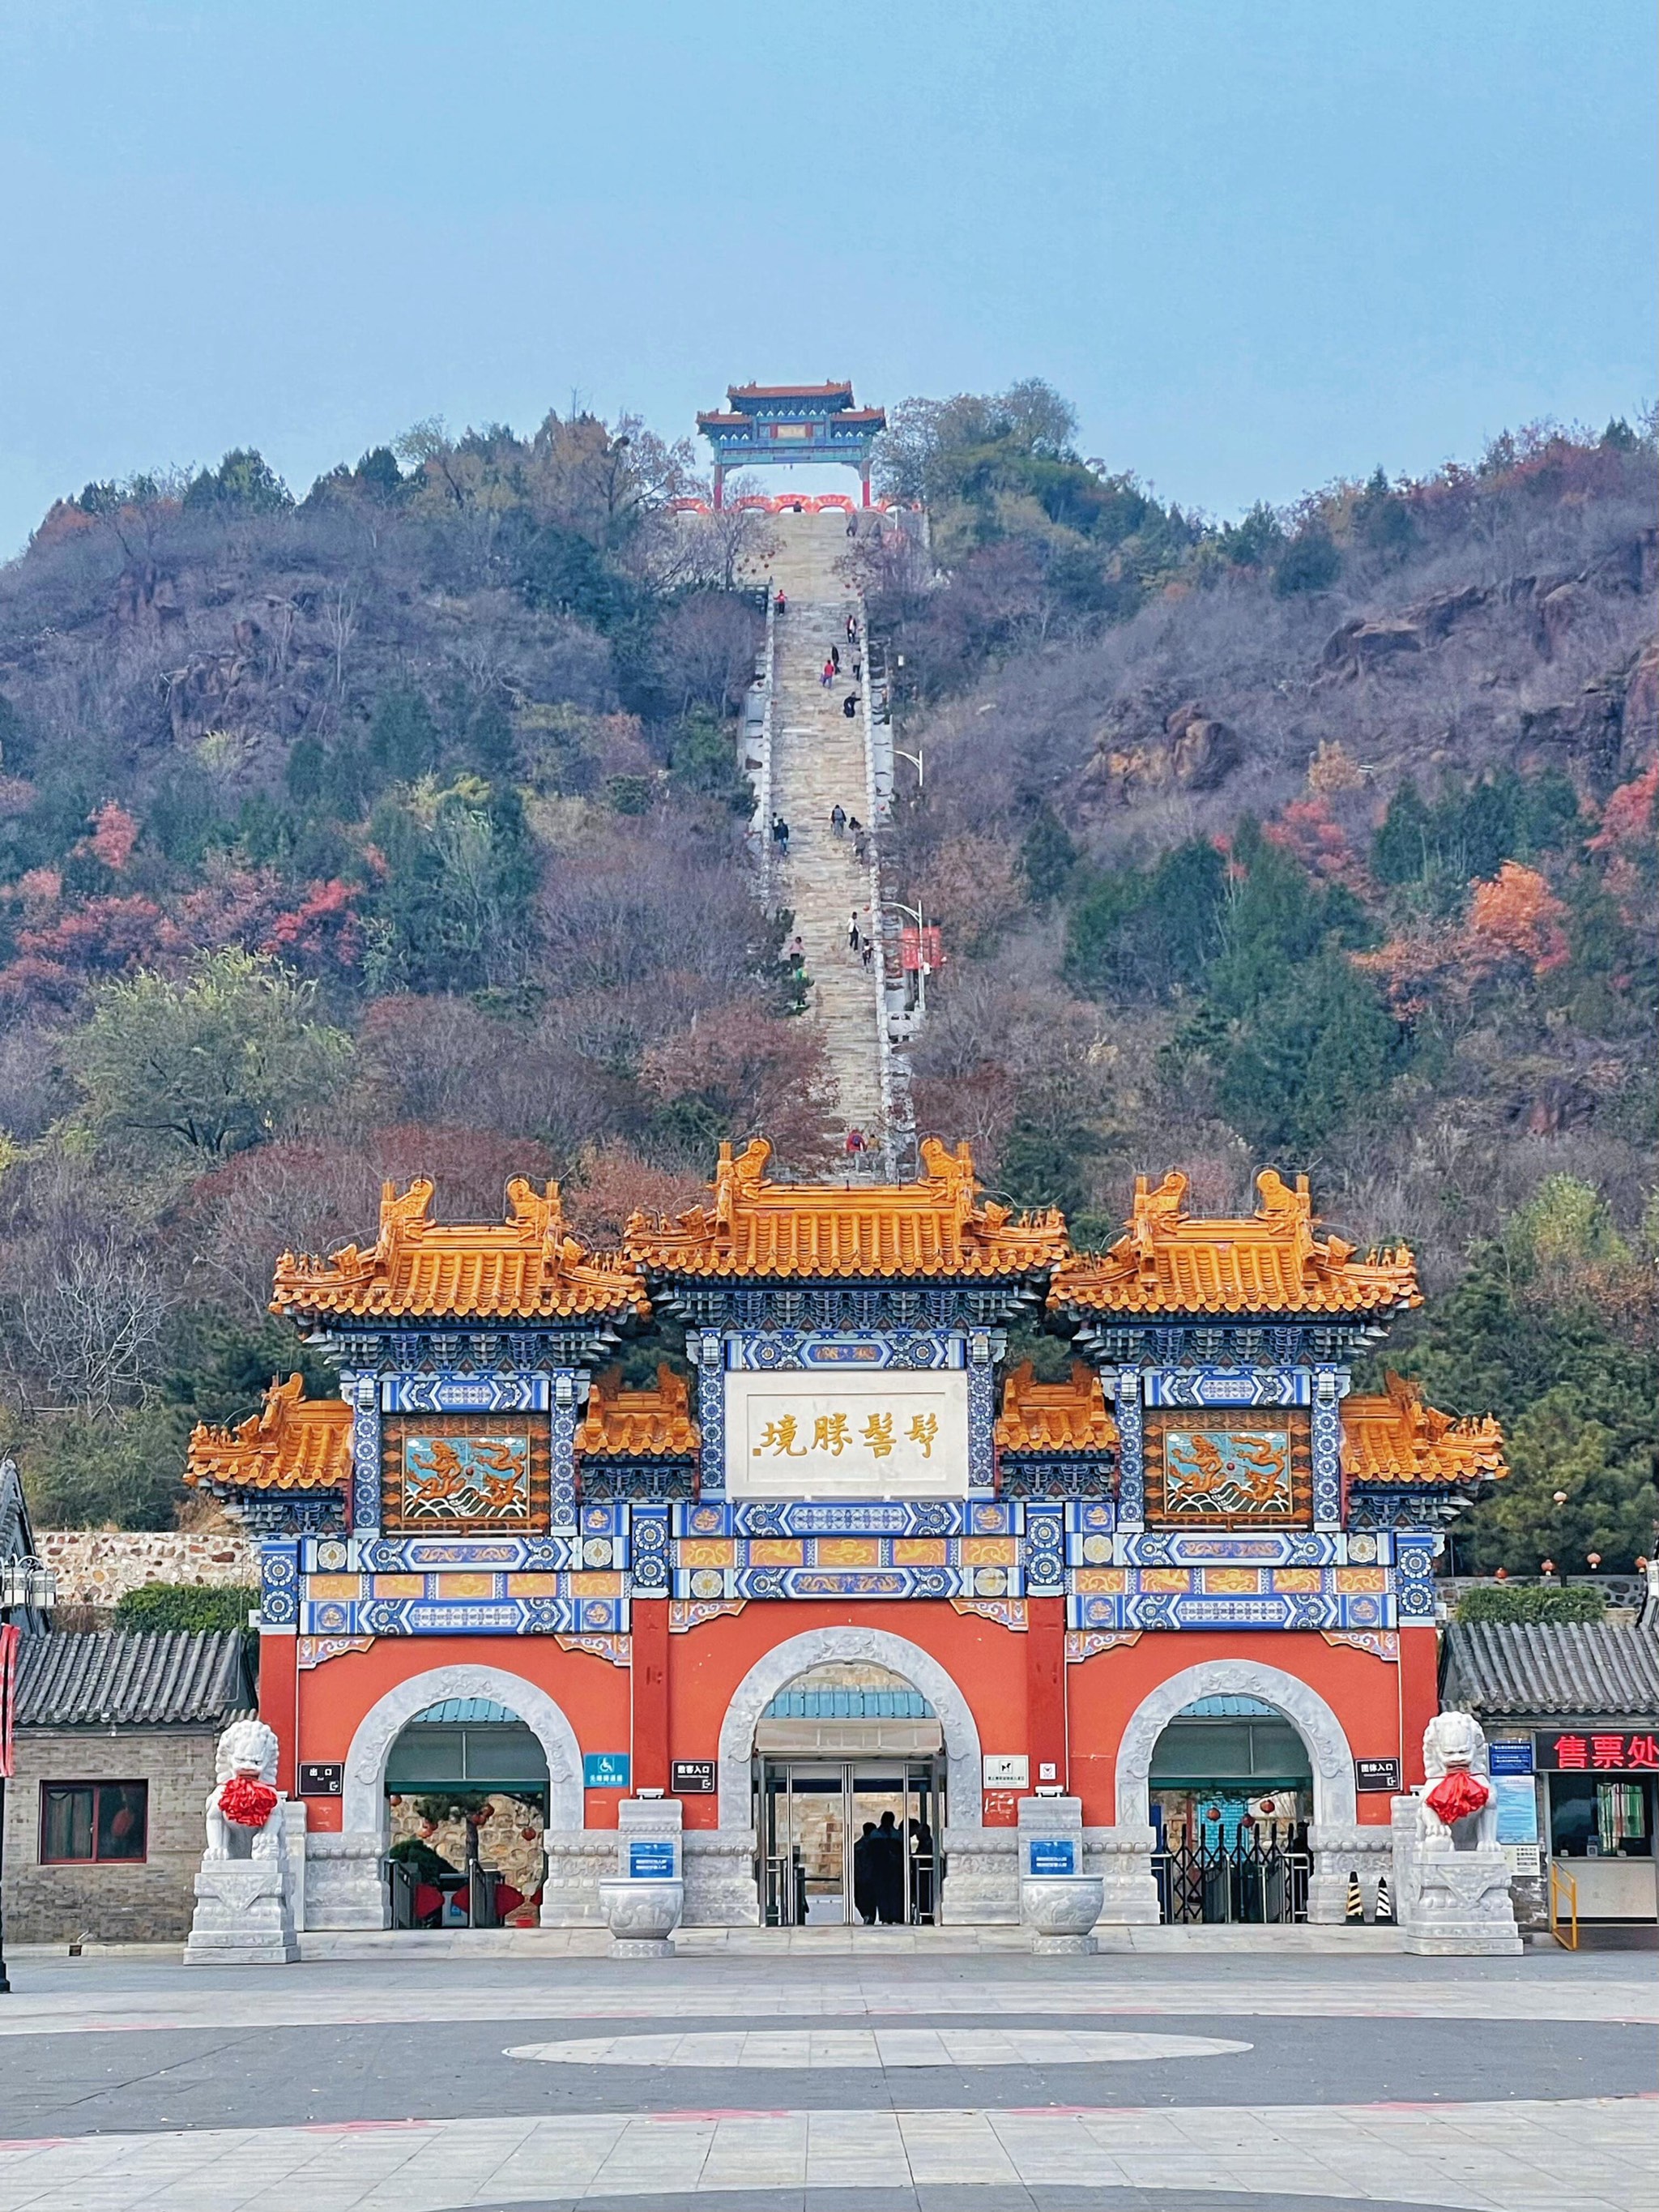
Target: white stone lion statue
1458	1767
244	1812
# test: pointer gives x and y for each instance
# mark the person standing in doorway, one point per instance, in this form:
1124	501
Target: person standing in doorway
890	1873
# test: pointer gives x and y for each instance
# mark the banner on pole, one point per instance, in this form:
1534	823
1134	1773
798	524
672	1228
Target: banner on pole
9	1639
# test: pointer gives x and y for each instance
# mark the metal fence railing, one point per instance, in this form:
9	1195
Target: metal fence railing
1246	1882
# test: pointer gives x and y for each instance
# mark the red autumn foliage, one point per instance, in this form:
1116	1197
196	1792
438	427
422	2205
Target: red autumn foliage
1631	815
612	1181
322	927
1516	916
114	834
1307	831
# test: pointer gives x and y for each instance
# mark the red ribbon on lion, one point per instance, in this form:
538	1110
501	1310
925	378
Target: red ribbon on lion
249	1804
1458	1795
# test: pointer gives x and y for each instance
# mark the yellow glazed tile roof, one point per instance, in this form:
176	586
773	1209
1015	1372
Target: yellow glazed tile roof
637	1424
527	1267
1268	1262
933	1227
1054	1417
1394	1438
293	1443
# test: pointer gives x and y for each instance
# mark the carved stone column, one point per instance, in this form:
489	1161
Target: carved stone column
981	1878
721	1888
1123	1857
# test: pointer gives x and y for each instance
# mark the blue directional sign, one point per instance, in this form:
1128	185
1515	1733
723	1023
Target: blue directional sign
651	1861
606	1770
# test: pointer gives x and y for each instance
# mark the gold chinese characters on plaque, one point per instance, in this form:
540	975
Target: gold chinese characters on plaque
871	1435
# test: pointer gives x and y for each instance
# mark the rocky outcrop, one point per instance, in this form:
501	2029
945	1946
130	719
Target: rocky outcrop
1609	731
1365	645
1361	646
1146	745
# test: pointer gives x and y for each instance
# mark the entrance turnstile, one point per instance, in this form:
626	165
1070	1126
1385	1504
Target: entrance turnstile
850	1843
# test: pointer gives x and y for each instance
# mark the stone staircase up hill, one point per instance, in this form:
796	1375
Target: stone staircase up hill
818	762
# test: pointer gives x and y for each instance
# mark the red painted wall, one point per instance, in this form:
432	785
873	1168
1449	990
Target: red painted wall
333	1697
1024	1696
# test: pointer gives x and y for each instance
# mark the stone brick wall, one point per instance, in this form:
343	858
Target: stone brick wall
150	1903
99	1566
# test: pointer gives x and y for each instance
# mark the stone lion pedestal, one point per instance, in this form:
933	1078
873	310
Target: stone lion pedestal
1451	1883
244	1913
644	1905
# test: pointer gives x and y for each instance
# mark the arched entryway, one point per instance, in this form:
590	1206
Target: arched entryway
1237	1767
466	1798
366	1809
848	1778
837	1748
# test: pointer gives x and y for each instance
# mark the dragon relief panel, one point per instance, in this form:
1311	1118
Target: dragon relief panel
463	1472
1220	1468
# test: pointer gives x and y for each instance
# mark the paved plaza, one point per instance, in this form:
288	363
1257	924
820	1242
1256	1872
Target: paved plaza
952	2082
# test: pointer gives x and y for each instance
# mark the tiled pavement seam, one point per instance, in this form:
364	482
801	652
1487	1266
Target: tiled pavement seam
651	1994
1494	2157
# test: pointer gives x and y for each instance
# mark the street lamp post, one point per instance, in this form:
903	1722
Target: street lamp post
24	1584
915	760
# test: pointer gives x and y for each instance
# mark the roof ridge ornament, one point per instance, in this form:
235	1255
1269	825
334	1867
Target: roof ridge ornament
527	1267
1170	1263
935	1227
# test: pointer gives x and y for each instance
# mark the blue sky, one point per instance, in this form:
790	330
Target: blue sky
1259	243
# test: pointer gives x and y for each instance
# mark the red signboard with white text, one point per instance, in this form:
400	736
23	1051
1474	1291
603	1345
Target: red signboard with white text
1598	1751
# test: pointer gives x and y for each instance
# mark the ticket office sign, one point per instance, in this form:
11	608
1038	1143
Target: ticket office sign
794	1434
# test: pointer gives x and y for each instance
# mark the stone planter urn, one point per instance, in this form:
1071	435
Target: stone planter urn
644	1906
642	1916
1060	1911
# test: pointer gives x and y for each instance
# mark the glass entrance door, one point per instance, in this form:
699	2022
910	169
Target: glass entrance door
849	1843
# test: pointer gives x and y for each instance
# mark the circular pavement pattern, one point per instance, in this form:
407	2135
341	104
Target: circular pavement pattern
771	2048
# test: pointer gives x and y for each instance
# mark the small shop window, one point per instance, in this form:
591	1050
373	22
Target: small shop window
90	1823
1594	1819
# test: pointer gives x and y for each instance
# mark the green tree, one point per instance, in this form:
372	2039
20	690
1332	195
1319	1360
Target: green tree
1528	1336
243	479
1254	541
1309	1056
1047	857
403	738
1531	1602
209	1066
1152	932
160	1609
1310	563
454	912
1563	1444
86	1469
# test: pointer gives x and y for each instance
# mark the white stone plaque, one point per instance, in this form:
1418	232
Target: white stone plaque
899	1433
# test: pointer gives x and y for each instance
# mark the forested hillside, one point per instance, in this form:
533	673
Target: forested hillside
1326	839
396	827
